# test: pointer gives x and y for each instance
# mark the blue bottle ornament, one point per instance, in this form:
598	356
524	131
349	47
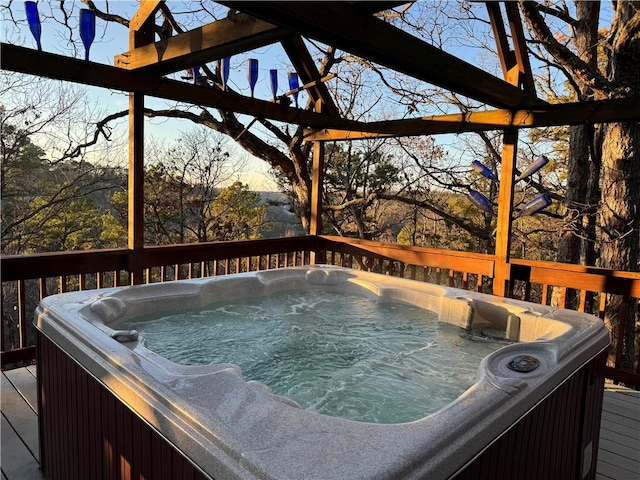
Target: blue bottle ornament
224	72
534	206
536	165
273	74
294	86
252	74
484	170
480	201
31	9
87	29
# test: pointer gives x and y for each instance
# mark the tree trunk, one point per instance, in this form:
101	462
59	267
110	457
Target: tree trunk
619	224
573	237
619	209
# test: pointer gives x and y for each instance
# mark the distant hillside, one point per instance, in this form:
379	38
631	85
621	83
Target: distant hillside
284	223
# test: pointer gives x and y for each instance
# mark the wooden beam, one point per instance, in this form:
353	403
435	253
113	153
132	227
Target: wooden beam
505	54
305	66
597	111
346	28
210	42
49	65
32	62
520	47
147	10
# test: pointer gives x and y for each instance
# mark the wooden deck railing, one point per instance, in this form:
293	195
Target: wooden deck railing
28	278
595	290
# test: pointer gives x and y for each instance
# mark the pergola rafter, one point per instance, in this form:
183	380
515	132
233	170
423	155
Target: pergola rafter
210	42
344	27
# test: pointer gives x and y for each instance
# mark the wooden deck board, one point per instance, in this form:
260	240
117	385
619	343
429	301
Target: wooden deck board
19	426
619	447
617	456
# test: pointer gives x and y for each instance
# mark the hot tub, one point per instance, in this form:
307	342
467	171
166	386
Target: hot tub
108	404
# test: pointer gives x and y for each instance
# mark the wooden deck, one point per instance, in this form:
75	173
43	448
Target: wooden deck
617	458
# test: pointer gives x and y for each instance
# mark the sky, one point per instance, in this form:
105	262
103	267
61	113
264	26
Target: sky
112	39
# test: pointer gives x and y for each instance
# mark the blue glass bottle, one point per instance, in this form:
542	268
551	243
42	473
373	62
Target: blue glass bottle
536	165
31	8
253	74
224	73
536	205
480	201
293	85
87	29
274	83
484	170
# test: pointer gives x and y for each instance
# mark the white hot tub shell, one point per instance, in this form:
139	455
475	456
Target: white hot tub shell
227	428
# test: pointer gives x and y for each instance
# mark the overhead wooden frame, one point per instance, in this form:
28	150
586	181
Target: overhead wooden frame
225	37
49	65
520	47
514	62
348	29
146	11
210	42
579	113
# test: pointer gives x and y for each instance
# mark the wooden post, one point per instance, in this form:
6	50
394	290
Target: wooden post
317	181
136	186
505	208
139	34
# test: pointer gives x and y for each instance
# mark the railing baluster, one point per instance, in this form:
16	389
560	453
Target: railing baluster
623	315
562	300
545	294
42	286
22	314
3	326
603	305
583	300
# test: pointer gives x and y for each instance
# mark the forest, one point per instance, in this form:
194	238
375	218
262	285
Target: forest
193	193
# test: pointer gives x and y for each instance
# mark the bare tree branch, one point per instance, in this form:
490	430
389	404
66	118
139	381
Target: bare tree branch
563	55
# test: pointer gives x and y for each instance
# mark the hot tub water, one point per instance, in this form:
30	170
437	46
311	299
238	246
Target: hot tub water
335	353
